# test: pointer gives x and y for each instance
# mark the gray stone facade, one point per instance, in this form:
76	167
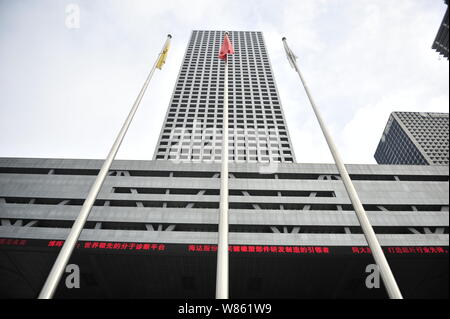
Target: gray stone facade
159	201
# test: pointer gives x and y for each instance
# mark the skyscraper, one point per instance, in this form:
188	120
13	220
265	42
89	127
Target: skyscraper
192	129
414	138
440	43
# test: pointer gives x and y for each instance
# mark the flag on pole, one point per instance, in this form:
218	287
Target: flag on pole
227	48
371	238
222	273
59	266
290	55
163	56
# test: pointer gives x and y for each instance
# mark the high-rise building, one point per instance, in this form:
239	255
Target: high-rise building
440	43
152	232
192	129
415	138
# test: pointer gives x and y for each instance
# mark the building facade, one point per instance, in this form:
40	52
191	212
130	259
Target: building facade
440	43
415	138
153	230
192	129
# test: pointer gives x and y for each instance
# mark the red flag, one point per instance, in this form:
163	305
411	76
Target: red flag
227	48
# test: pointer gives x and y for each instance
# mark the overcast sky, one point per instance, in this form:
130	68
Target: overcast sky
65	92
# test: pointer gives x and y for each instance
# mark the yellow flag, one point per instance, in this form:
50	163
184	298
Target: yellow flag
163	56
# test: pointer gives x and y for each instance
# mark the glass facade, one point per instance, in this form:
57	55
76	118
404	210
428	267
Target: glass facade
415	138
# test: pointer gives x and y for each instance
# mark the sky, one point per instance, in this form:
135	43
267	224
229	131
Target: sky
67	84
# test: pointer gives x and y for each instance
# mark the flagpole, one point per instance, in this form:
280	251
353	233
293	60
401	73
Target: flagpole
380	259
51	283
222	285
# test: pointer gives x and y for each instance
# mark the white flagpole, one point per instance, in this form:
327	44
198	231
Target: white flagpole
380	258
222	247
49	288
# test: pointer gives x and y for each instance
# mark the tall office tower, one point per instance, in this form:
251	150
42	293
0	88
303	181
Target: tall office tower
440	43
192	129
414	138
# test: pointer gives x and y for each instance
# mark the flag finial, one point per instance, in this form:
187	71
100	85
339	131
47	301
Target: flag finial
163	55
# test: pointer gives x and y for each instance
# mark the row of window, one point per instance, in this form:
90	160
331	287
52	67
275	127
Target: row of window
213	174
205	158
246	125
257	112
209	151
233	228
235	204
231	192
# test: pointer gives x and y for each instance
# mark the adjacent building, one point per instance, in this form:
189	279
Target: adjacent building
440	43
414	138
152	232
